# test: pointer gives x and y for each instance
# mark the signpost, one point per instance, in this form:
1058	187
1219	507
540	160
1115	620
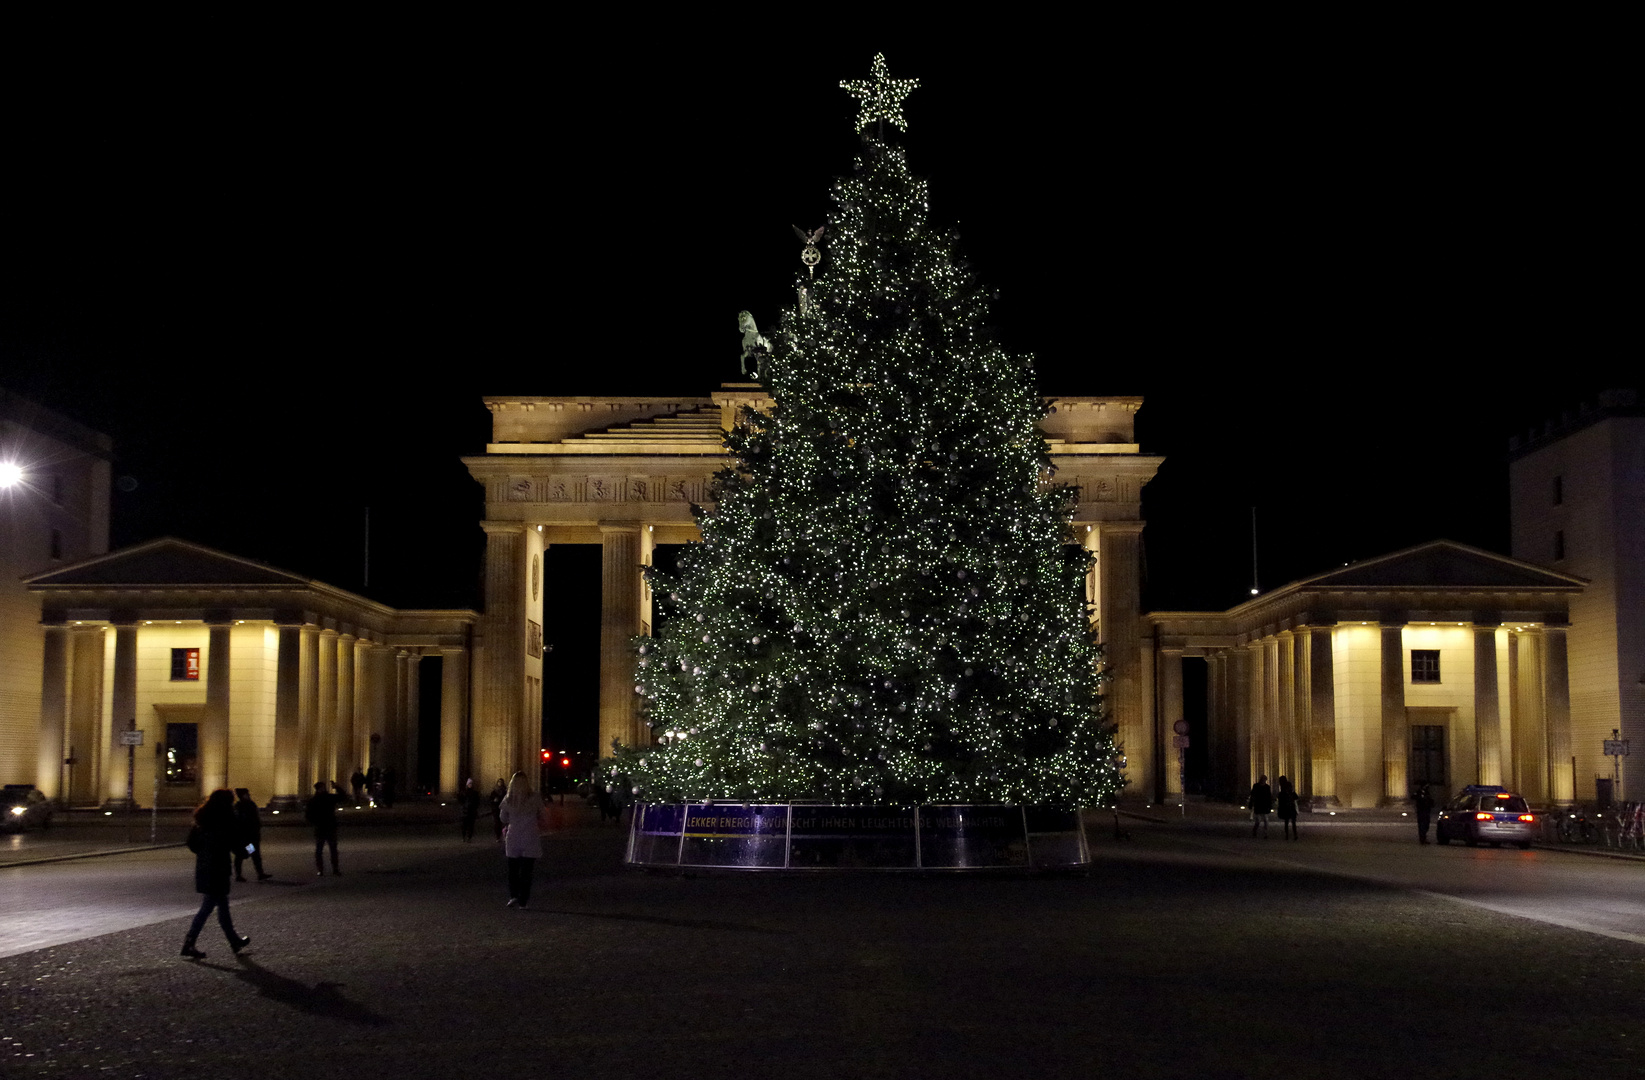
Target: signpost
131	739
1616	749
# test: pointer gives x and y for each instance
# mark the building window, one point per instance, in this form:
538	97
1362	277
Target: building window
1559	491
57	489
185	665
1424	665
1559	544
57	543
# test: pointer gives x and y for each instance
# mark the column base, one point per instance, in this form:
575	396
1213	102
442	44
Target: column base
1324	802
281	804
119	806
1392	802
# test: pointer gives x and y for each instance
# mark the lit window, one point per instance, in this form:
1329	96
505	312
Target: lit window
1425	665
185	665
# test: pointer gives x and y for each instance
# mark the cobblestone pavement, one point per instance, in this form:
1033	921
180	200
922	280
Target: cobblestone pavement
1182	954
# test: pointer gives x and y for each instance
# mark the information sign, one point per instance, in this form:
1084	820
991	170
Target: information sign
131	738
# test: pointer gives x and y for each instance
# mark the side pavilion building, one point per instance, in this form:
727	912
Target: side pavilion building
1441	664
248	675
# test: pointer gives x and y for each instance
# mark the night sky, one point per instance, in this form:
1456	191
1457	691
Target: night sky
281	264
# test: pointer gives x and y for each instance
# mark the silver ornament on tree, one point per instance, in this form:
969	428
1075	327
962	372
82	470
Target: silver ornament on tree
811	254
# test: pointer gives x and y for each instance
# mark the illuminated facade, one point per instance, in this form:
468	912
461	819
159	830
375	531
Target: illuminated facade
1577	497
237	675
623	472
1442	664
54	510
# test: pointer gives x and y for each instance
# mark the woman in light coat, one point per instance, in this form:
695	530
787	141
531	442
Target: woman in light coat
522	840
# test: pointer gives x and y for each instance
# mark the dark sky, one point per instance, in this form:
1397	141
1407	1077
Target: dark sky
281	263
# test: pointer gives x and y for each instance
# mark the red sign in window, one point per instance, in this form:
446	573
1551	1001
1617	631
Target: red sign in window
185	665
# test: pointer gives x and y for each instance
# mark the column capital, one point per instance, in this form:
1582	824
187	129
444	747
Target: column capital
620	527
507	528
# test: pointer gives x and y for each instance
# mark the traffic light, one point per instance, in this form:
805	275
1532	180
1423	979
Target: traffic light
548	756
565	763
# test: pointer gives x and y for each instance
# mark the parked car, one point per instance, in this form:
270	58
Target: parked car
1485	813
24	806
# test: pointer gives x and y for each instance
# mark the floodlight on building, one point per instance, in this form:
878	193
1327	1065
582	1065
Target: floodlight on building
11	474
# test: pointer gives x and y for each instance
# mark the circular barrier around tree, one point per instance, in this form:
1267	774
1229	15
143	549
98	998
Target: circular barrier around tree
819	837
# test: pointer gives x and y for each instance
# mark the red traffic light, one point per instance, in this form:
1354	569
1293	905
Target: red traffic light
565	763
548	755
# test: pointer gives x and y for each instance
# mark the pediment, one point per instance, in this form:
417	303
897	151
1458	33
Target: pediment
168	563
1443	564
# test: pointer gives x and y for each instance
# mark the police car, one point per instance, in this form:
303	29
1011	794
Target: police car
1486	814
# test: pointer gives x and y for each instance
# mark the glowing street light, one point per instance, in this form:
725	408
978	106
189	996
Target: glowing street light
11	474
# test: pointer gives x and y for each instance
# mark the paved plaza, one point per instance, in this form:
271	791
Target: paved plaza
1190	950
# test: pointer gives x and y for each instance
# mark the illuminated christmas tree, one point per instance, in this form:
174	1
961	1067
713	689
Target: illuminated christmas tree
887	605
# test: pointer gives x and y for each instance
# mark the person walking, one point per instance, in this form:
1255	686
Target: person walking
358	782
1287	802
1262	804
321	813
499	792
1425	810
248	839
469	800
212	840
520	811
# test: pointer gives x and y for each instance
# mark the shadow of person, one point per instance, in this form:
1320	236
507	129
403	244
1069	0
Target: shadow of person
322	999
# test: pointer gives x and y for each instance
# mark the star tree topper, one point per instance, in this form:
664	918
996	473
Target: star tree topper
881	96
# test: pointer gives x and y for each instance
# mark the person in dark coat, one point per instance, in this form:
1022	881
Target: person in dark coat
1287	802
1262	804
212	840
248	842
1425	810
469	800
321	813
358	783
499	792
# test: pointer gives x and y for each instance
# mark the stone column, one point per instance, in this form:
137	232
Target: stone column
366	694
1285	709
411	723
54	714
1239	710
1216	725
345	760
500	674
125	711
1396	731
325	743
1302	710
1557	698
87	737
1322	715
287	711
1253	711
1530	715
1120	613
1170	690
619	624
453	719
214	721
1487	705
308	708
1272	723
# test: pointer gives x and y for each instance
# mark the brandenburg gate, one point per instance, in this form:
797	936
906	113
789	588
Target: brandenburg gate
624	472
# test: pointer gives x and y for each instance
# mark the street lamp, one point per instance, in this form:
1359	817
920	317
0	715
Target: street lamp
11	474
